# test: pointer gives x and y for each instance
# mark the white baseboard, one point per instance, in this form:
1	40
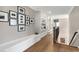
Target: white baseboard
21	44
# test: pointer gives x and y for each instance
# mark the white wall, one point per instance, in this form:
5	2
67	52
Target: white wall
39	16
8	33
12	40
73	21
63	27
37	22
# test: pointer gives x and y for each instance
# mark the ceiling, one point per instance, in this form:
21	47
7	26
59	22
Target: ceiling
53	10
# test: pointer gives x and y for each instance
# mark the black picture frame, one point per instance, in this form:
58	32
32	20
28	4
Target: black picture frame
31	20
12	14
20	10
21	19
21	28
12	22
4	16
27	17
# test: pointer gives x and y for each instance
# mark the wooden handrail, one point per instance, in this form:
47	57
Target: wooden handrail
73	38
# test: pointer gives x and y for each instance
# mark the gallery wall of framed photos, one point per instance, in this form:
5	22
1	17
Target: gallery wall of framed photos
19	18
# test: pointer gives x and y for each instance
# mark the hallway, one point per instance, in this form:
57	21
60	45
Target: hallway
34	27
46	45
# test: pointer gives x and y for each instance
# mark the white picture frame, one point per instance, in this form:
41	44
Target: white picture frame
12	14
21	28
21	19
21	10
12	22
3	16
27	23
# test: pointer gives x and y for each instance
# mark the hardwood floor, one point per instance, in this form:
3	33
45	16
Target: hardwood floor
46	45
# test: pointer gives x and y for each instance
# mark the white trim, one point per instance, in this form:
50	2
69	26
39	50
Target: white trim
21	44
71	9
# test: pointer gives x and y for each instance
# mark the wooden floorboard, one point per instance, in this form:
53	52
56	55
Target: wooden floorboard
46	45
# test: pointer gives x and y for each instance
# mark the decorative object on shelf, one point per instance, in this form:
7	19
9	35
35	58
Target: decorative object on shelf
3	16
12	22
31	20
21	19
36	33
27	17
21	10
27	23
21	28
12	14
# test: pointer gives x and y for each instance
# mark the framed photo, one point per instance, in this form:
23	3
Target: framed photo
27	17
21	10
12	22
21	28
21	19
3	16
43	27
27	23
31	20
12	14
